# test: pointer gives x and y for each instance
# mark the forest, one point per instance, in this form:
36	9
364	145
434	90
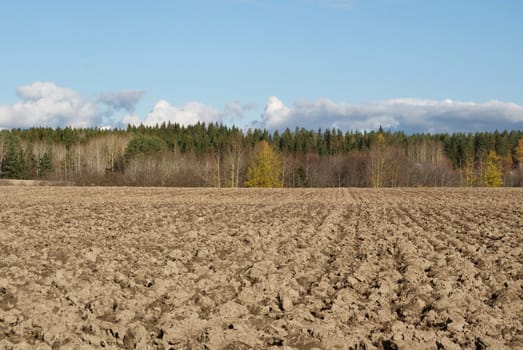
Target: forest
216	155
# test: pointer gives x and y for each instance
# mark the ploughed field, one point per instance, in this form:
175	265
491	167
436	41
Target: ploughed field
156	268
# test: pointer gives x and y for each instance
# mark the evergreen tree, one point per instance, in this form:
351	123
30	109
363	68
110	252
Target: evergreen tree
144	145
14	164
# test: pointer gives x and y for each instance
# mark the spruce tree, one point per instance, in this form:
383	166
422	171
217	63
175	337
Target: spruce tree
14	164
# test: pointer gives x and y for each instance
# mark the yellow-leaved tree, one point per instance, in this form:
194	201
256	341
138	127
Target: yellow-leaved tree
519	153
265	169
492	175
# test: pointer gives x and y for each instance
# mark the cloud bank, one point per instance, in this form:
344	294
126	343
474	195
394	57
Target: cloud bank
190	114
46	104
408	114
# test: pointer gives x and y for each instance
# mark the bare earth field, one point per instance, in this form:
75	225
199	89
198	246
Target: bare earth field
143	268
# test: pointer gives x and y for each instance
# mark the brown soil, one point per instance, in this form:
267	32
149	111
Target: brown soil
84	268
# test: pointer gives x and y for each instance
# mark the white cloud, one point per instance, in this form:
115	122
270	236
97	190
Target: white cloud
126	100
413	115
276	113
45	104
190	113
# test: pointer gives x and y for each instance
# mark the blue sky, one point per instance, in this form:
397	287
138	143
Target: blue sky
405	64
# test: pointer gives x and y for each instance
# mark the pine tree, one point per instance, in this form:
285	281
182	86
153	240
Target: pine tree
265	171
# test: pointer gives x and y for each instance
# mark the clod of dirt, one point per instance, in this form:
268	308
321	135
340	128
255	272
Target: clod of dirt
136	337
389	345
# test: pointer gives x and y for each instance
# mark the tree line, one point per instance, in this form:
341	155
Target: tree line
221	156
